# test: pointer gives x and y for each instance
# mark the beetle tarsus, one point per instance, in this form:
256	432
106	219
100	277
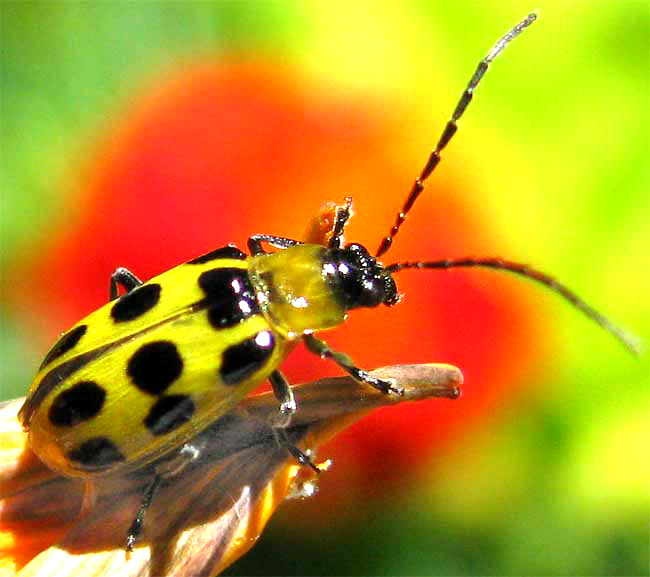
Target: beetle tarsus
323	350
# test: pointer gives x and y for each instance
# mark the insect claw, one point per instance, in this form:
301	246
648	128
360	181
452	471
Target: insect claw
399	391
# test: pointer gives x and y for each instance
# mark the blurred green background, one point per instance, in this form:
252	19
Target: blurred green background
551	163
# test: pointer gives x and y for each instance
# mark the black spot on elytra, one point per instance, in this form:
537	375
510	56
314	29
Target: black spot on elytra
169	413
77	404
220	284
229	296
57	375
229	251
135	303
155	366
230	313
96	453
240	361
66	343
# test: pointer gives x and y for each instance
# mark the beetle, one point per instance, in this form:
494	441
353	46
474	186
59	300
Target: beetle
141	376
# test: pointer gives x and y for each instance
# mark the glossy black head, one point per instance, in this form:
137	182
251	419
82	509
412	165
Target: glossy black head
359	279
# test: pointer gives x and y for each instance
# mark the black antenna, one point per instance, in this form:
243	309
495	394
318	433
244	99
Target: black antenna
450	129
631	342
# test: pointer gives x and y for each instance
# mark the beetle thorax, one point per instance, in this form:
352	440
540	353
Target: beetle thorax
294	293
309	288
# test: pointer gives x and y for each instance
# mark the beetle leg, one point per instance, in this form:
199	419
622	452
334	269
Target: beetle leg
284	394
135	530
322	349
295	452
255	243
185	455
343	214
124	278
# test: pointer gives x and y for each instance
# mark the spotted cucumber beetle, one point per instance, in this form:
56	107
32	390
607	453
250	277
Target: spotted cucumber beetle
141	376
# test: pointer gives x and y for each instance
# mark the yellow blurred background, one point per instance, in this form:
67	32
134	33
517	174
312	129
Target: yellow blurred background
143	134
